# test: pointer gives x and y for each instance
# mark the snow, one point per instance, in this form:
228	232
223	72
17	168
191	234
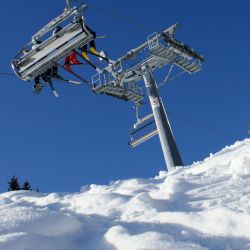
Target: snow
202	206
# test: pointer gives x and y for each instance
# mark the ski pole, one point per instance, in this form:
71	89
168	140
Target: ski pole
101	37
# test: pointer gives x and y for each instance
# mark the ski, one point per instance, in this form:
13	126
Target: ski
103	56
49	81
102	37
90	63
72	73
66	80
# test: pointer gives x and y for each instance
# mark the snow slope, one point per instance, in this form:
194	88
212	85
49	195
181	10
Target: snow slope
203	206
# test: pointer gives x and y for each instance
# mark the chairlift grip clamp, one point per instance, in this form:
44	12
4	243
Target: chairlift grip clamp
67	4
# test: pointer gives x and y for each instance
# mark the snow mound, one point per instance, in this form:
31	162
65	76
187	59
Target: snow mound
202	206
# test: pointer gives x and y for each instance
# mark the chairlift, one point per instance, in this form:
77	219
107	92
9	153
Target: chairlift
34	59
137	132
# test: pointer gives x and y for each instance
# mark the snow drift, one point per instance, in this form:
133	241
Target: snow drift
203	206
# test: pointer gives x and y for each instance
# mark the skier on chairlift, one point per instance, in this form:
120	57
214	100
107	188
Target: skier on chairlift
72	58
91	44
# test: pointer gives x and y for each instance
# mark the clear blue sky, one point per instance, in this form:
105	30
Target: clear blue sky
81	138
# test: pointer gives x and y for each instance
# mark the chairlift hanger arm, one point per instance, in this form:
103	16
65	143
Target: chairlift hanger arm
67	4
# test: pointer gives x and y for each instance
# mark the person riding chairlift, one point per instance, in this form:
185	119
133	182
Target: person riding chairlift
91	44
72	58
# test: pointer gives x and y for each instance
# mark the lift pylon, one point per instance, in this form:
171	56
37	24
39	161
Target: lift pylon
169	147
138	65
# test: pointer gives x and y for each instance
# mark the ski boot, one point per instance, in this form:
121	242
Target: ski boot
73	59
54	73
85	56
94	51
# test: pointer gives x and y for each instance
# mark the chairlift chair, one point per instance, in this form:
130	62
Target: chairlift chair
32	60
140	131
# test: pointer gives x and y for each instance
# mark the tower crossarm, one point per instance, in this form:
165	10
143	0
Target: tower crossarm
133	52
159	50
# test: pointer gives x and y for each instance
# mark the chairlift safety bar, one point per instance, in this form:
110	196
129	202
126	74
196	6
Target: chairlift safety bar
137	142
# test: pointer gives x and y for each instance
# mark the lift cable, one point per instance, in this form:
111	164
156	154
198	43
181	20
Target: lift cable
119	17
7	74
218	131
227	76
202	125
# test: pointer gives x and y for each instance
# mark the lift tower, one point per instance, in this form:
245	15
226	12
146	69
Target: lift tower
121	80
169	148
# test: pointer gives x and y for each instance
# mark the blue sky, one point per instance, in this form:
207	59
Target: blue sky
81	138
